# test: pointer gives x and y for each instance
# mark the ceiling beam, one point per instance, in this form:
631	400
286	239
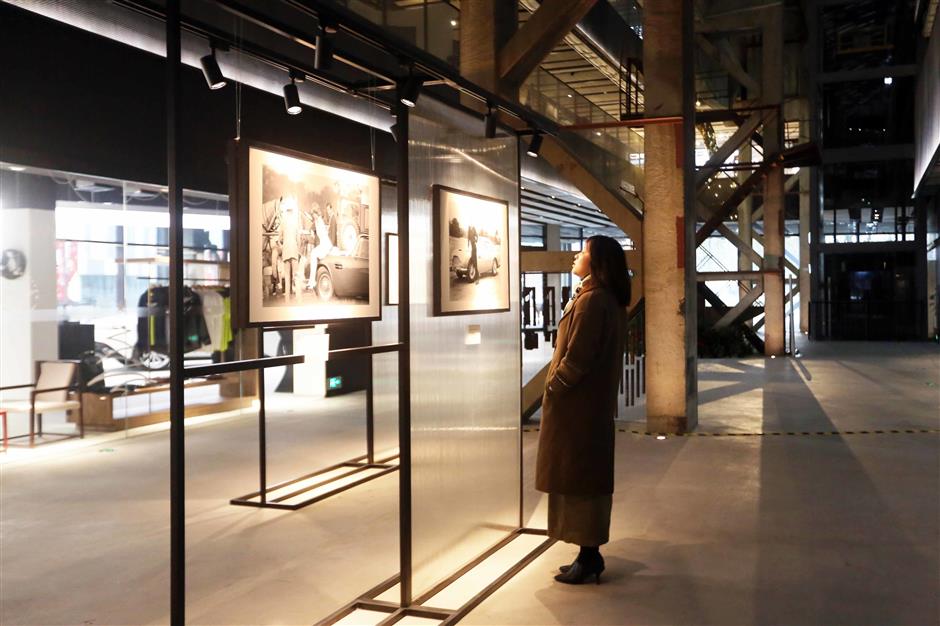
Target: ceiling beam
537	37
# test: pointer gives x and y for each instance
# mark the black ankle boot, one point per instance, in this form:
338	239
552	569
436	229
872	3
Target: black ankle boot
583	568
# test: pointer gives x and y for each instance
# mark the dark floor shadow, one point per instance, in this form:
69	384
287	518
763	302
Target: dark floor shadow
832	547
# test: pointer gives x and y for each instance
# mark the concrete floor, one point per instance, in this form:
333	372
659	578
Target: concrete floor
706	530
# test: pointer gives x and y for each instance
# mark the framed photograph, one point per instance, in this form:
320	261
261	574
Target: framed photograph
471	252
308	239
391	269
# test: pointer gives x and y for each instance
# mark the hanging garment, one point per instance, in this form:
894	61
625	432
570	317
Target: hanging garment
213	311
153	321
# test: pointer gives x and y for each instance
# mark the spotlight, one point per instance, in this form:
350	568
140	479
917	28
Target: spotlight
410	90
489	123
210	69
323	55
888	80
292	96
535	145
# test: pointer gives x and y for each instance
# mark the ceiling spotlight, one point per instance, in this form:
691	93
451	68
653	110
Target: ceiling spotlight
210	69
888	80
292	96
489	123
323	55
409	91
535	145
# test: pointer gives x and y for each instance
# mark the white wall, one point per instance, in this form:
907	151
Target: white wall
28	330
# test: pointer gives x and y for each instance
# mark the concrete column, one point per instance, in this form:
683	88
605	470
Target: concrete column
485	27
805	280
670	356
772	86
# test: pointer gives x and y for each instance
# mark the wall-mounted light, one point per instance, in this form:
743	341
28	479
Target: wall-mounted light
291	95
489	122
211	70
409	91
535	145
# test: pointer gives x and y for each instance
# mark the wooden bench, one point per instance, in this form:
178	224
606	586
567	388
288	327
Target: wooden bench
99	406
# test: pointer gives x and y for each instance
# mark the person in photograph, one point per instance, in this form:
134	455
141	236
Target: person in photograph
290	253
472	239
320	250
272	236
575	464
333	220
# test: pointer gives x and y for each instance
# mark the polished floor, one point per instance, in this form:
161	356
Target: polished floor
731	528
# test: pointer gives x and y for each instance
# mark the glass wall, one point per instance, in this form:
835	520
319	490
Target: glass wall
863	202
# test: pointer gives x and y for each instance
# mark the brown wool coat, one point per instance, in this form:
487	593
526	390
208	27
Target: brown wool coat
576	435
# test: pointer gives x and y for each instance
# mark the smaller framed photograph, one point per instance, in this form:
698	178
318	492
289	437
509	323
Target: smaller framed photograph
471	252
391	264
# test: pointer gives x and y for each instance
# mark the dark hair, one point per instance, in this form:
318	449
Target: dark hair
609	266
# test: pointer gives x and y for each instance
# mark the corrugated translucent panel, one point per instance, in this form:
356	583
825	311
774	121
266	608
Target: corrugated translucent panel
385	366
465	398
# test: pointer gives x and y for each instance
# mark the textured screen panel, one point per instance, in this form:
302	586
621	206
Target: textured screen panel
385	366
465	398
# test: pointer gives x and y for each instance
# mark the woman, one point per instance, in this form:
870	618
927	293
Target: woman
576	438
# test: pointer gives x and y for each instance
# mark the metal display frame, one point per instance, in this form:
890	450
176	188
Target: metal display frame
408	604
356	465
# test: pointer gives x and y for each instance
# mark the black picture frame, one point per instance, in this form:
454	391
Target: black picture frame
245	260
441	230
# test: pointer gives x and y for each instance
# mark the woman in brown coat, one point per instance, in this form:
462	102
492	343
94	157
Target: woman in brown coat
576	438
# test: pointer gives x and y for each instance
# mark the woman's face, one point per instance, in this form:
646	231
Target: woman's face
582	262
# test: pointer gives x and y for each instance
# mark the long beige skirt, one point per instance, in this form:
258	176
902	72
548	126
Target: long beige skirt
582	520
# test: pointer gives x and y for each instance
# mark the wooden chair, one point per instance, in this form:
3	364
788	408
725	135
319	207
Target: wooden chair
55	389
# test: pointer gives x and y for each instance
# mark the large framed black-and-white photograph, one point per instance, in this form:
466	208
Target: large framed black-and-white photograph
312	239
471	252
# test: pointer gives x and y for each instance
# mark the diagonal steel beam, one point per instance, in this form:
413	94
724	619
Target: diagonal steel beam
738	196
741	307
723	55
786	262
715	301
538	36
742	134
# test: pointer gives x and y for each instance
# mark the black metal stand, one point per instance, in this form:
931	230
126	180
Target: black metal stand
448	616
282	495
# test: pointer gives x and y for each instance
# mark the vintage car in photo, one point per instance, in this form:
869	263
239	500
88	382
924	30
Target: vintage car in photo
345	276
487	257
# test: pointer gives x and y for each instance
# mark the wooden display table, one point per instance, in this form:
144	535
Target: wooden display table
99	407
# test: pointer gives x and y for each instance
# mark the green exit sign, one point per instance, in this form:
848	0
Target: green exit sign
336	382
